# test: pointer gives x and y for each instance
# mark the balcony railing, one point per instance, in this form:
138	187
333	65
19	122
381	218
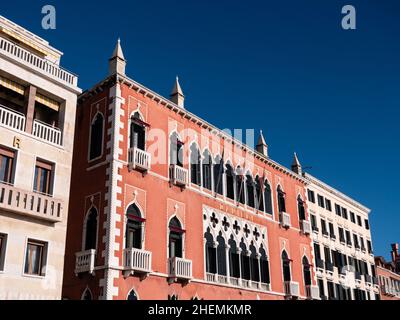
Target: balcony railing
292	289
47	133
30	203
368	278
312	292
84	261
139	159
285	219
137	260
17	53
180	269
178	175
305	226
12	119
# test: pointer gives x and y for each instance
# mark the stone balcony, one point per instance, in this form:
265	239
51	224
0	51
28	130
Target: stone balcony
30	204
180	269
136	261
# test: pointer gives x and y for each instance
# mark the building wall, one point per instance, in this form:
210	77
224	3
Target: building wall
14	284
335	244
159	201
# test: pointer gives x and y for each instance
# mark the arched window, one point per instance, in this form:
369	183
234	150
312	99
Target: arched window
281	200
134	227
207	163
175	150
137	132
268	197
245	261
96	136
195	173
254	264
91	230
221	255
87	295
218	175
306	272
172	297
240	185
264	266
211	258
301	209
175	238
132	296
286	267
259	195
250	190
230	182
234	259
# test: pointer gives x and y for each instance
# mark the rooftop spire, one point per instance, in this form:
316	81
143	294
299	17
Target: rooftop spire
296	166
262	146
177	95
117	62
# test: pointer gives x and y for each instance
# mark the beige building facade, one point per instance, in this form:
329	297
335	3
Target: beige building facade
37	123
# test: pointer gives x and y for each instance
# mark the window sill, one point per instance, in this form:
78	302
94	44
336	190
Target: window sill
34	276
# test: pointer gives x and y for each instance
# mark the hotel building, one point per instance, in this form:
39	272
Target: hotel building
37	122
343	255
215	219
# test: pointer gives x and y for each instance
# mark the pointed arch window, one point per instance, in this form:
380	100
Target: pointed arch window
87	295
211	253
132	296
301	209
250	187
230	182
306	271
259	194
221	255
175	243
195	172
134	227
96	136
91	230
281	200
245	261
137	136
240	186
207	165
286	267
254	264
234	259
264	266
268	197
218	175
176	150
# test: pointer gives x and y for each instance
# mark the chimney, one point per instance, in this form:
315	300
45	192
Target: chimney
296	166
262	146
177	95
395	252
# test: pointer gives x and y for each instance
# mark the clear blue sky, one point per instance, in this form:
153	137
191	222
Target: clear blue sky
285	67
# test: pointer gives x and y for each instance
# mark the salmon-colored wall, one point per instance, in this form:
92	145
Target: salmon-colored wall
159	201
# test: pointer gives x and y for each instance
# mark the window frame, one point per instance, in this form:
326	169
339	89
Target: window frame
3	250
10	155
42	165
42	266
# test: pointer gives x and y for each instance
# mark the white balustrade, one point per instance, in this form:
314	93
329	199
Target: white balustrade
139	159
285	219
12	119
84	261
305	226
137	260
178	175
180	268
47	133
292	288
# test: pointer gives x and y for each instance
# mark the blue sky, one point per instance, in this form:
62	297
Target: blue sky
286	67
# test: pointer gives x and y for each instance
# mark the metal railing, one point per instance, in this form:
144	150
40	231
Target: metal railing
46	132
12	119
30	203
20	54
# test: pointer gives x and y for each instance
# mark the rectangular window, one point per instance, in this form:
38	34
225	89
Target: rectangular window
3	244
338	209
332	231
35	258
359	221
328	205
341	235
355	237
314	223
352	217
348	237
321	201
311	196
43	177
366	224
344	213
323	226
6	165
369	246
321	289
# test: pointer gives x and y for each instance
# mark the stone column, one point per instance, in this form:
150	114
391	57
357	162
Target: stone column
30	95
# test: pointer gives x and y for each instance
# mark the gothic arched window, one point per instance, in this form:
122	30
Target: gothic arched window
91	230
218	175
211	254
300	208
286	267
281	200
268	198
254	264
207	165
137	132
234	259
306	271
96	136
195	172
132	296
175	150
175	238
221	255
264	266
134	225
250	190
230	182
